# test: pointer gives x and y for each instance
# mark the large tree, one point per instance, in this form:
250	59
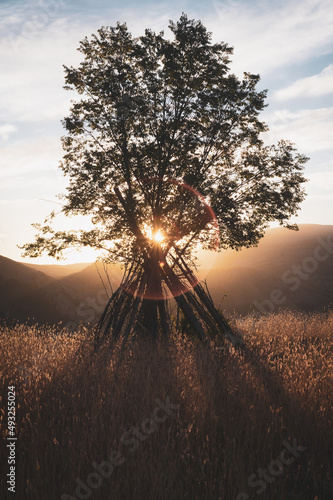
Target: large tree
164	151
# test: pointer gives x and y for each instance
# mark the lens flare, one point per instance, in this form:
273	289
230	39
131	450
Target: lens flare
158	237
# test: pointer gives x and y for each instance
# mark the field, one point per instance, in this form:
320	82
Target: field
172	421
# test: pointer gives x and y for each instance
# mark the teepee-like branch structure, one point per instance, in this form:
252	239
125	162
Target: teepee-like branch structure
140	306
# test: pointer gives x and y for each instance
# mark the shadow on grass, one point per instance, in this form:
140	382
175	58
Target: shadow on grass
173	421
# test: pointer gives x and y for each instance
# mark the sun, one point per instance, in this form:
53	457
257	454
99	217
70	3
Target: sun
158	237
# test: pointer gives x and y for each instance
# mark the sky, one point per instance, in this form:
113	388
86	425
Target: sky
289	43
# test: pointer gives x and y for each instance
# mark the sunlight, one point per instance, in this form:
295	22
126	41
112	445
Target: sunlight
158	237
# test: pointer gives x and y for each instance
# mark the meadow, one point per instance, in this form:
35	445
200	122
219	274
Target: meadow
177	420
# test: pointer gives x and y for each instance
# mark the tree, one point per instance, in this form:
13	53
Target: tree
164	151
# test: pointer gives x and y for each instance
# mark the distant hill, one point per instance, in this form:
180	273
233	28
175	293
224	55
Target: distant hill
28	294
91	278
288	269
59	270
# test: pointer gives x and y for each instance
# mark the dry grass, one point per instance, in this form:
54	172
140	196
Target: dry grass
235	410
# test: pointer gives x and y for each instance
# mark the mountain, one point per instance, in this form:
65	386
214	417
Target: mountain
95	277
288	269
96	284
58	270
53	296
30	295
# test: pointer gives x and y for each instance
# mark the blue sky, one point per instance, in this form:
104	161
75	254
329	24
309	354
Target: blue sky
289	43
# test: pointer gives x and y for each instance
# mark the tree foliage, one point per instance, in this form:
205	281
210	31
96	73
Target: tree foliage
156	121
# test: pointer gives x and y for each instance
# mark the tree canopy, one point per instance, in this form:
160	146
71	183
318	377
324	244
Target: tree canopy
164	138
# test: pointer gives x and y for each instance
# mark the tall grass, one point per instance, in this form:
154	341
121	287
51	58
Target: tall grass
233	411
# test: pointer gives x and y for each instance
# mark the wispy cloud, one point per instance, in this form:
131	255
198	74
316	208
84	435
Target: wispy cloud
32	79
17	203
321	183
312	86
6	130
31	167
22	21
29	154
319	197
309	129
268	35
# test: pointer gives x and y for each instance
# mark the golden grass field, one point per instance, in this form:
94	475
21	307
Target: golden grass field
172	421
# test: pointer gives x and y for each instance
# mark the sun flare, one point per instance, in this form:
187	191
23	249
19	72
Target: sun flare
158	237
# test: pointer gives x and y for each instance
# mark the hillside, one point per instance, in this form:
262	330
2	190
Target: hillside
289	269
91	278
59	270
28	294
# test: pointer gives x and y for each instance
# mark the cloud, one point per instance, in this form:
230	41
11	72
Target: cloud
312	86
6	130
24	20
320	183
32	78
319	191
310	129
17	203
269	35
29	155
32	54
30	168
